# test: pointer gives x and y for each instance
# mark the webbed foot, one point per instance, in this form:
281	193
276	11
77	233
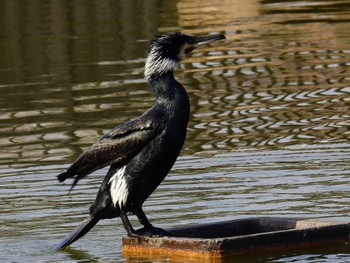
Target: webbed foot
152	231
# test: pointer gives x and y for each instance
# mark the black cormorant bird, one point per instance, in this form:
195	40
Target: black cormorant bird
140	152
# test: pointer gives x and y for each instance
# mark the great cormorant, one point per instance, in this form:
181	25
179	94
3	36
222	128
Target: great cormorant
140	152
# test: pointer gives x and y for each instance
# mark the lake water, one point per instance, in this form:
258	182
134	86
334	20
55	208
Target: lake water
268	135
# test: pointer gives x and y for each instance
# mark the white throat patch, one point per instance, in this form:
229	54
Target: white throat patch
157	65
119	189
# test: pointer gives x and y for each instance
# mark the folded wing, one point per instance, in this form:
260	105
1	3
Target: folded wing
117	146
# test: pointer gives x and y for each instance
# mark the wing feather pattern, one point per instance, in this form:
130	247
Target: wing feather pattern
117	146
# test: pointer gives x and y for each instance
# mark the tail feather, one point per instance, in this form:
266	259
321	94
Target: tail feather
77	233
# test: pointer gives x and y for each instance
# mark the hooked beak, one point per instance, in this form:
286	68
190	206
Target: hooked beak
198	41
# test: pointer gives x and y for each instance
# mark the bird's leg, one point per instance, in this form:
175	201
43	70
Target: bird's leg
142	217
148	228
127	226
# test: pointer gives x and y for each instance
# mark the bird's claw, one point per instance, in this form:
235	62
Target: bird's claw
151	231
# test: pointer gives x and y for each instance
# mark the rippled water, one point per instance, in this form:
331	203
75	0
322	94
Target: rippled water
269	132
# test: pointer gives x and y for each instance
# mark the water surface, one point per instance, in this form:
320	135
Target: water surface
269	128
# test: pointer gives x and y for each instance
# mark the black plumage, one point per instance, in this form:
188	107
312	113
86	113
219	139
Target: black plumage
141	152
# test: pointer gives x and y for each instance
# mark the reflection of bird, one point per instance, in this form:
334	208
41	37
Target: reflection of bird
142	151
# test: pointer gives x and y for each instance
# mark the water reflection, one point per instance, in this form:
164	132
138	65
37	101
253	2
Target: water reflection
273	87
259	89
269	132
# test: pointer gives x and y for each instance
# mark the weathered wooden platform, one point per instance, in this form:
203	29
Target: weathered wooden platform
239	237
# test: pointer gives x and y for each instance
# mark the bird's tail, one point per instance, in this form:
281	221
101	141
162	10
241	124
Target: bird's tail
77	233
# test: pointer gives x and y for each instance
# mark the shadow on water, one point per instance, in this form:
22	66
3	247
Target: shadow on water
79	255
268	135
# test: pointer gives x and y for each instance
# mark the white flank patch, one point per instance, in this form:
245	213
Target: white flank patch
158	65
119	189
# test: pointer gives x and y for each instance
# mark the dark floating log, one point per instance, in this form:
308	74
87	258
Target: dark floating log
239	237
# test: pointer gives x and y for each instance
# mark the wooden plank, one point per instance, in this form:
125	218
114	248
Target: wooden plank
238	237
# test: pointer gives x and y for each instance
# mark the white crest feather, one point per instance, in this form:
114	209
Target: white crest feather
158	65
119	189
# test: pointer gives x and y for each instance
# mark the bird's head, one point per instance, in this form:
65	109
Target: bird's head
167	50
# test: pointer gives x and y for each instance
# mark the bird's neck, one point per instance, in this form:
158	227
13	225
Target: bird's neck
171	94
167	89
